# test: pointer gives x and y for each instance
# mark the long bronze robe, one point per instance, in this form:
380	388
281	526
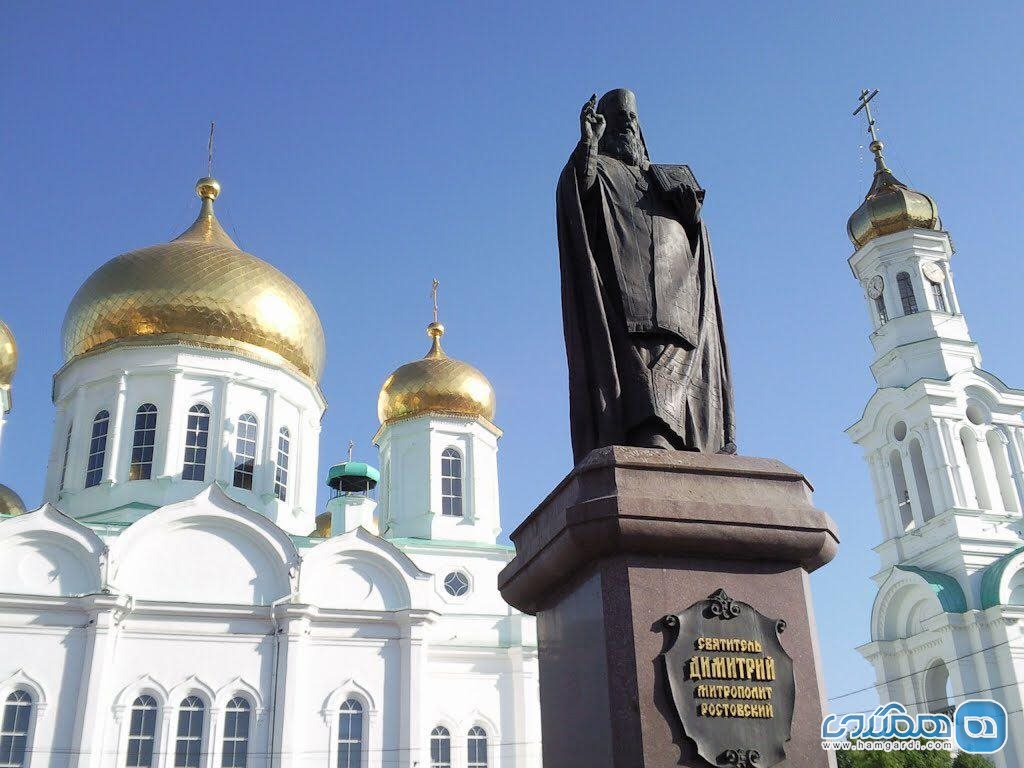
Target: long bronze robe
643	325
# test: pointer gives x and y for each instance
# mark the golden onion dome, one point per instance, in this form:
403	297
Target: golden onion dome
10	502
199	289
435	384
890	206
8	355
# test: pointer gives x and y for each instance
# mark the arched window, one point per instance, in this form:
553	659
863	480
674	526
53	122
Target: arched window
906	293
970	443
197	437
924	491
188	746
937	688
440	748
14	729
236	733
67	453
245	452
97	449
476	747
143	442
883	313
1016	588
1001	462
281	471
142	733
451	483
899	481
938	297
350	735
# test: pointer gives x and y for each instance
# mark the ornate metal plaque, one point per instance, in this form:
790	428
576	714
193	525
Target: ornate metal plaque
731	681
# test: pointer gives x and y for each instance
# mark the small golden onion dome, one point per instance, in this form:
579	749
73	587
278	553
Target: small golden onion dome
435	384
890	206
10	502
8	355
199	289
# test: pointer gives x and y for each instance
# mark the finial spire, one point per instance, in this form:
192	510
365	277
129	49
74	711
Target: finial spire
435	330
209	153
351	445
876	144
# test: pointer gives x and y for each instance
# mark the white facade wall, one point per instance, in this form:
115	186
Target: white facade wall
207	598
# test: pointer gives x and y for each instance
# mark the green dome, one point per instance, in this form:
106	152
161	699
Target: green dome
352	475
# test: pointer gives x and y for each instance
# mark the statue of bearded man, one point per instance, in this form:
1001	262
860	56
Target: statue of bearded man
643	324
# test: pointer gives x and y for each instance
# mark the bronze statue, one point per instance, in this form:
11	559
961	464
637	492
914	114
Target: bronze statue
643	324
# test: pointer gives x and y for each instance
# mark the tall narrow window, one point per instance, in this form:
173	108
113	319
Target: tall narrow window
476	748
141	467
440	748
1004	476
350	735
142	733
970	444
245	452
939	297
14	729
906	293
188	746
236	733
924	491
451	483
883	313
67	453
281	471
197	437
97	449
899	482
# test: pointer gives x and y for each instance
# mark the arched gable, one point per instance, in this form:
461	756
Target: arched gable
238	687
208	549
350	689
995	581
45	552
192	686
21	680
902	594
358	570
143	685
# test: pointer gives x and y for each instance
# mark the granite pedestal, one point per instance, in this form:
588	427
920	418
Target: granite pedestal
631	535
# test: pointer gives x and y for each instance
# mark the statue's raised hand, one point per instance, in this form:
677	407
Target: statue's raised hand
592	124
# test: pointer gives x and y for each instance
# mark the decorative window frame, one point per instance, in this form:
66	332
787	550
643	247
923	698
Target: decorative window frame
372	732
122	708
448	597
213	441
456	748
21	681
464	505
257	450
236	687
477	718
192	686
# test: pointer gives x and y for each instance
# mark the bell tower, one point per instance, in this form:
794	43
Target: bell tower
944	440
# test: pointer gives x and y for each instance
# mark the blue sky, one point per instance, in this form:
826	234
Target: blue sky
366	148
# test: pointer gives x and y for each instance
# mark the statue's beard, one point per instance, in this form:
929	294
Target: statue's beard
625	146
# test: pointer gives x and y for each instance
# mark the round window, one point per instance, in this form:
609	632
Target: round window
899	431
456	584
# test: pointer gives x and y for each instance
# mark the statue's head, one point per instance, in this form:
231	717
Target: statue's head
622	135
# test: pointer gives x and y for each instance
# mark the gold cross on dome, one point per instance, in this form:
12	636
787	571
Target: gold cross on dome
351	445
865	104
209	153
433	295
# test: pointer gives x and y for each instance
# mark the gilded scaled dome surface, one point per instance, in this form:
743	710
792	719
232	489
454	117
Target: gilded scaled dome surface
890	206
435	384
10	502
199	289
8	355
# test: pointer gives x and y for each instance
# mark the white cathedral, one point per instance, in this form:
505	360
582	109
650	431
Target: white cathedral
944	441
177	601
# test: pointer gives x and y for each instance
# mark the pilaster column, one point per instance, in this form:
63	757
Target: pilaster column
970	493
988	469
92	705
220	436
882	497
413	686
934	469
60	434
945	475
292	622
74	479
1016	463
116	435
268	461
172	458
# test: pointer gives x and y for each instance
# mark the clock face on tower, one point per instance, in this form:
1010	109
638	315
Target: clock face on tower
874	286
933	272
